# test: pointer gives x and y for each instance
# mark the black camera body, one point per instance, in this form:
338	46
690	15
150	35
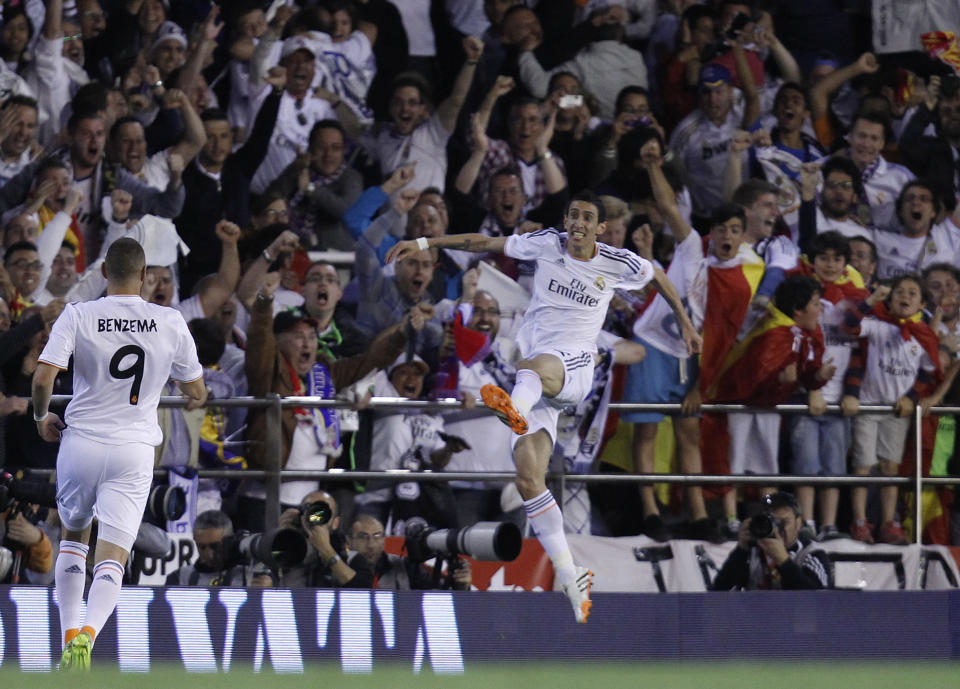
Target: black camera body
316	513
277	548
765	525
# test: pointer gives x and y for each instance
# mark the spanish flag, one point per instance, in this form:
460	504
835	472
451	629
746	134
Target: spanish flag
751	372
849	287
731	286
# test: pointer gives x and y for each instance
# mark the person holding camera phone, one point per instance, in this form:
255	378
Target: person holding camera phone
325	564
769	553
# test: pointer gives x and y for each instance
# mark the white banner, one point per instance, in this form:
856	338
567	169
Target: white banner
641	564
898	24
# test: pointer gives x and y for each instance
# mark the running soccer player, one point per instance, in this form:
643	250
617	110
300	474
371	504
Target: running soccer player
574	281
124	351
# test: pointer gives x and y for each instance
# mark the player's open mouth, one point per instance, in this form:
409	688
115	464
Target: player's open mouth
916	215
322	298
409	389
304	357
417	284
577	234
483	327
726	247
507	207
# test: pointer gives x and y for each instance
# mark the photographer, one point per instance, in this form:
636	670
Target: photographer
20	533
213	567
771	557
325	564
394	572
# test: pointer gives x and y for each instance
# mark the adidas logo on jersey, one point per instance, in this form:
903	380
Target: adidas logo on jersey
73	569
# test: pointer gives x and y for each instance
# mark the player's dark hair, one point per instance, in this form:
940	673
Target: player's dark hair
209	340
125	259
794	293
751	190
587	196
831	240
23	245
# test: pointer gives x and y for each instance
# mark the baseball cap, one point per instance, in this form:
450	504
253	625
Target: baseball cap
285	320
295	43
169	31
713	75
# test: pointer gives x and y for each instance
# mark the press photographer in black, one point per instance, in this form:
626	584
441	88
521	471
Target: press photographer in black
325	564
396	572
769	554
26	553
215	564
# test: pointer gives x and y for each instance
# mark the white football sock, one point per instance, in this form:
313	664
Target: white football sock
547	522
102	598
527	391
70	576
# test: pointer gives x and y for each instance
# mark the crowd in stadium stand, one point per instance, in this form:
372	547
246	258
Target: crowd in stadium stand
800	191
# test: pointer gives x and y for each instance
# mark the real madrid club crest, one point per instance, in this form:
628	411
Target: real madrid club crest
599	283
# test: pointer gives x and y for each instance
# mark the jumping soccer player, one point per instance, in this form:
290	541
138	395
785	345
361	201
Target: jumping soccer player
124	351
574	281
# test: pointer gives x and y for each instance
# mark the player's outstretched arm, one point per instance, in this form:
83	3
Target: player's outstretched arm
479	243
690	335
195	391
49	424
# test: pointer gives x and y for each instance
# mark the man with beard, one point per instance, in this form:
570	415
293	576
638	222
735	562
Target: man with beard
936	157
18	129
841	189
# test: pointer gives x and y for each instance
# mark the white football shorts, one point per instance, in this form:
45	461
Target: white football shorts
577	382
109	482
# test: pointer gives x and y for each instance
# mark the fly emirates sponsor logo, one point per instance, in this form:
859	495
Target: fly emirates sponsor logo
575	291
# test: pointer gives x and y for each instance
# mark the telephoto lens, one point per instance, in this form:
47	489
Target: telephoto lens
317	513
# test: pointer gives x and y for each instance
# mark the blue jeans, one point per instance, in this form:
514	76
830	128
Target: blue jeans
820	445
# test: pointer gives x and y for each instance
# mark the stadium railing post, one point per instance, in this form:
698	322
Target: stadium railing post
274	448
918	476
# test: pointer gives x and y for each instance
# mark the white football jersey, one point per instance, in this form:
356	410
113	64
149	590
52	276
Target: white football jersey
124	351
570	296
898	254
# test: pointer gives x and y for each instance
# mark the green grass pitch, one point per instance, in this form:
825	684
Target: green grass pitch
680	675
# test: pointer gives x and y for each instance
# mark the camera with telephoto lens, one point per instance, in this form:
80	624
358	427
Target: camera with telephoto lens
17	497
492	541
765	525
277	548
316	513
166	503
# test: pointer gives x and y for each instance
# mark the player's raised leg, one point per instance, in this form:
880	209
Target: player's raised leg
541	376
532	457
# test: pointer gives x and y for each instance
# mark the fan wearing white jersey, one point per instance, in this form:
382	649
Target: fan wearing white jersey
574	281
124	350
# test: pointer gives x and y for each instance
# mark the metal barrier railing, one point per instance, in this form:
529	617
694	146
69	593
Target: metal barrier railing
274	475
